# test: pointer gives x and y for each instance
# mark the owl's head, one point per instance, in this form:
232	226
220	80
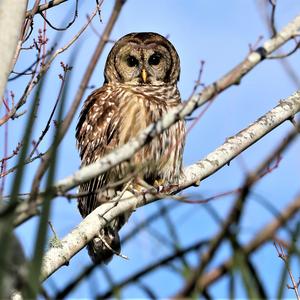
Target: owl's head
142	58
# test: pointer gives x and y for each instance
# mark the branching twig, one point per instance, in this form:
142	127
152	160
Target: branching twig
27	161
29	70
288	68
30	85
281	254
26	32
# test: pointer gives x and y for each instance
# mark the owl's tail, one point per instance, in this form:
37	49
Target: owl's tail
102	248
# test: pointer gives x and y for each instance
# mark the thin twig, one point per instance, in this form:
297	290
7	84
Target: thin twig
272	21
66	68
289	53
43	15
153	266
260	238
281	254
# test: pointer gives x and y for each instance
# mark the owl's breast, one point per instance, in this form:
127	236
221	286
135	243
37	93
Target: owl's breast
134	117
162	156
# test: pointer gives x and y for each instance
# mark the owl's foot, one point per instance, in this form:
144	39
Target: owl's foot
159	184
140	186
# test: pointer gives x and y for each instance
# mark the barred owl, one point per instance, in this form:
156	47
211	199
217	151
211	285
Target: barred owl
140	87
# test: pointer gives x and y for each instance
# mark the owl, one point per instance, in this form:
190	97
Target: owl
140	87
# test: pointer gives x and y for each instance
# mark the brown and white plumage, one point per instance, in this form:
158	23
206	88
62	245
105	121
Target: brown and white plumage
141	74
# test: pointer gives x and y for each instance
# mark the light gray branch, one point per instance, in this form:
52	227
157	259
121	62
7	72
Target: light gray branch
91	225
12	14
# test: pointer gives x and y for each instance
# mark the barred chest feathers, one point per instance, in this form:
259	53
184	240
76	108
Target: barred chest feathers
138	108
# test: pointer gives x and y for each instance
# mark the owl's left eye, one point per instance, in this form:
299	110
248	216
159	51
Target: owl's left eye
154	59
132	61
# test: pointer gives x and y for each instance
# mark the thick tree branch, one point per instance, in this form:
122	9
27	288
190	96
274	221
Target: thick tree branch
12	14
90	226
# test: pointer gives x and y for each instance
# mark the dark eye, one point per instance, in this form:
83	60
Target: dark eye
154	59
132	61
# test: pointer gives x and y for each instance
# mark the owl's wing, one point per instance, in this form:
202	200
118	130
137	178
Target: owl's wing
94	132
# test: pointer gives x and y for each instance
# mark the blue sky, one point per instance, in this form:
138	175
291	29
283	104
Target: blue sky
219	33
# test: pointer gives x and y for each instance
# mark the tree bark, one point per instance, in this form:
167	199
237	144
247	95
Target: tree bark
12	14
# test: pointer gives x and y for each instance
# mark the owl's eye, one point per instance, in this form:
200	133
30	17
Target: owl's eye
132	61
154	59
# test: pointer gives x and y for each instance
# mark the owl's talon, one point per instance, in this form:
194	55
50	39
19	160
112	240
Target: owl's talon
158	183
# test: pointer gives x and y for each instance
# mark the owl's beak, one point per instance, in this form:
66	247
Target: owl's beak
144	75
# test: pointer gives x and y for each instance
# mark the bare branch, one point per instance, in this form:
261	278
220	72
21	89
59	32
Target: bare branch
151	267
288	68
69	24
66	68
25	34
263	236
233	216
272	21
91	225
289	53
194	173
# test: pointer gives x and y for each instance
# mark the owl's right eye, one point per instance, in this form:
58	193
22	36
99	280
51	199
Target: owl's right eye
132	61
